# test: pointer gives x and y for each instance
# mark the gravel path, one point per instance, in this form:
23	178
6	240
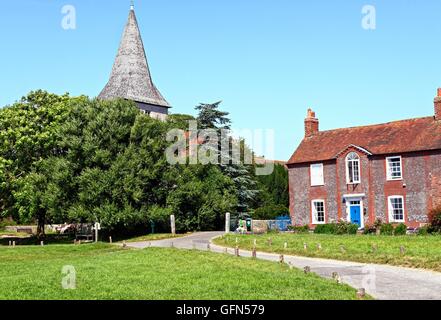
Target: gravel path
380	281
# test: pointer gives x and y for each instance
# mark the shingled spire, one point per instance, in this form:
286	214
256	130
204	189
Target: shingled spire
130	78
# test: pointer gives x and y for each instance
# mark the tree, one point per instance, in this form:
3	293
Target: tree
110	167
28	133
210	117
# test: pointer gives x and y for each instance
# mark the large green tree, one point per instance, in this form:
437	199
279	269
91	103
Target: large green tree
28	134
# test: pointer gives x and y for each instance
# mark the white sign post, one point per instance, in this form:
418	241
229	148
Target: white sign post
97	227
173	224
227	222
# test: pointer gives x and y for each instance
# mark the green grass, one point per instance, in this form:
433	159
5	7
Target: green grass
155	237
13	234
110	272
420	251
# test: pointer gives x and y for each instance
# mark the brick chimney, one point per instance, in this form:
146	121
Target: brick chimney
312	124
437	103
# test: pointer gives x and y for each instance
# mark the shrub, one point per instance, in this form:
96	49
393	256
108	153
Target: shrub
370	229
329	228
387	229
344	227
400	230
435	220
352	228
423	231
270	212
340	228
299	229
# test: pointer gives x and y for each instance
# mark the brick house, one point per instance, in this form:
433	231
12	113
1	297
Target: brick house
390	171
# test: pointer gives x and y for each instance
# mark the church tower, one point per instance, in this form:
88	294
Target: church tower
130	78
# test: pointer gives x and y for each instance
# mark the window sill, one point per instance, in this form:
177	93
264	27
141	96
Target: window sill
398	179
317	185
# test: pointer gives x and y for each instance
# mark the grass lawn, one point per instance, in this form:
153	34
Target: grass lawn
420	251
13	234
156	236
110	272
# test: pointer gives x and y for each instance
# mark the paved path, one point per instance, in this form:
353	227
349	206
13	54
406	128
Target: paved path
380	281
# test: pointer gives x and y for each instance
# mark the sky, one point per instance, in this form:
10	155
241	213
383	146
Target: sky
267	60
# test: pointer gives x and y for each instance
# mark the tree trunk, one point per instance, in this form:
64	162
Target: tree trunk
40	227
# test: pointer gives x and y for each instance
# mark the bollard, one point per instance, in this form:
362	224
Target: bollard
374	248
226	250
172	245
290	265
150	244
307	269
305	246
254	253
237	251
342	249
255	242
270	242
110	239
13	243
336	277
361	293
319	246
237	240
281	259
285	245
208	247
10	243
124	244
41	243
402	250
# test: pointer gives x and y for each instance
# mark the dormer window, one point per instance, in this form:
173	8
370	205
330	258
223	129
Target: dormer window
353	168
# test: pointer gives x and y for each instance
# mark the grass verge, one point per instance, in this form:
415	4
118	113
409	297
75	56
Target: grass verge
408	251
109	272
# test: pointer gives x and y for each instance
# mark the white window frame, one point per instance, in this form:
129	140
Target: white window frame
320	180
388	169
391	209
348	180
314	211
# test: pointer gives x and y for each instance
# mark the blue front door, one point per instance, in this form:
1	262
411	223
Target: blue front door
356	215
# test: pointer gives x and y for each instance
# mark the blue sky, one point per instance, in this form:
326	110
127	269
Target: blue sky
268	60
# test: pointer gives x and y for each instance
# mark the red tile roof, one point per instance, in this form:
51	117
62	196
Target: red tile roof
420	134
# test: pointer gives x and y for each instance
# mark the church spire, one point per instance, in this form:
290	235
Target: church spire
130	78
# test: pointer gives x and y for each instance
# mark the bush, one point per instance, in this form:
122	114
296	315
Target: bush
370	229
270	212
435	220
6	223
423	231
329	228
352	229
400	230
387	229
299	229
340	228
344	227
